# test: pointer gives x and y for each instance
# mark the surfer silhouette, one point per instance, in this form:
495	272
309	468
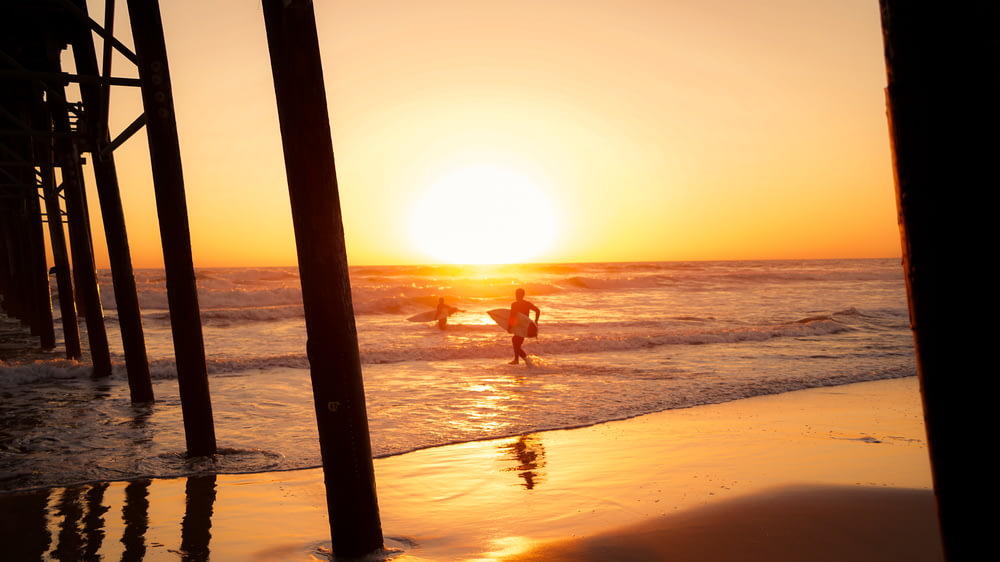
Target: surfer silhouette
443	311
523	307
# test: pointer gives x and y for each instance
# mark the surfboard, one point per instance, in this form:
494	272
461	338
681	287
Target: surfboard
430	315
522	326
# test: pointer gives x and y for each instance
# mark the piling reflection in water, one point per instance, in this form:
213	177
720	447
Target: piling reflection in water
93	519
77	523
135	513
192	518
80	513
24	530
197	524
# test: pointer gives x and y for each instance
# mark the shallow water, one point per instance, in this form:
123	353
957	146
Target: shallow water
616	341
489	500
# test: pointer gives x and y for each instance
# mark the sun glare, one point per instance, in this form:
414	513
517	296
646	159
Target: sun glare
483	215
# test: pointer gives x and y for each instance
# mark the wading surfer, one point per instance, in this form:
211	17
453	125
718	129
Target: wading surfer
443	311
523	307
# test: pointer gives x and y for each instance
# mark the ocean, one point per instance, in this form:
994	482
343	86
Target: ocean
616	340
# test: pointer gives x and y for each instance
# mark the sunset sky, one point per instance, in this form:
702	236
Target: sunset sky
467	130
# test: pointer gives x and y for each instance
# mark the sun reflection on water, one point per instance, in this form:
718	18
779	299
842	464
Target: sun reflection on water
487	409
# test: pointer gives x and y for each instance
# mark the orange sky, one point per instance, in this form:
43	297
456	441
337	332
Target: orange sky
641	130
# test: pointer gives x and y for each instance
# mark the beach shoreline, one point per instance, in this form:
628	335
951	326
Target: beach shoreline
537	495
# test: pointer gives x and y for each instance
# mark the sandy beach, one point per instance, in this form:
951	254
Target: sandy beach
833	473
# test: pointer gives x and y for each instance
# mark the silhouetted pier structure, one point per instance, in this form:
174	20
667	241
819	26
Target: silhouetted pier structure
48	132
46	137
942	91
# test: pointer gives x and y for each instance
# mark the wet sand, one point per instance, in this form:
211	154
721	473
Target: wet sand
837	473
808	523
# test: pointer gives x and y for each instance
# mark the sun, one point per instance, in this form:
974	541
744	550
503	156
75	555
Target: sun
483	214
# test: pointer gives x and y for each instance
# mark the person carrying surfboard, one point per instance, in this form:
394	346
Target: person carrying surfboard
524	307
443	312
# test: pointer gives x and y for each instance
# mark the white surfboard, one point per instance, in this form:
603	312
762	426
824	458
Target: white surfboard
521	326
431	315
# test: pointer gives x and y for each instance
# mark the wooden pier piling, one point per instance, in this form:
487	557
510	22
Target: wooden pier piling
19	196
42	324
60	260
175	234
113	216
81	241
20	225
332	348
44	161
943	89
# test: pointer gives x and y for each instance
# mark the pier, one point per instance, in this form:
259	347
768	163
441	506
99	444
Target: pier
55	133
54	123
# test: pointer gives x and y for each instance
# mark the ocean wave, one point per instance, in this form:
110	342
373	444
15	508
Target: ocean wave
228	293
16	374
255	314
611	283
477	342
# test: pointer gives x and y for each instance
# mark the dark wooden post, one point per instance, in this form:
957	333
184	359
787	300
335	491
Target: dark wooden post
8	269
42	321
109	195
332	346
175	235
17	299
81	243
5	257
44	156
34	272
60	260
942	64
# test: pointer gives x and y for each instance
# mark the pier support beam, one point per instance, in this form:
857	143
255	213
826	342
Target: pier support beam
33	304
113	215
17	296
44	154
5	270
60	261
42	321
36	305
332	346
942	64
81	241
175	234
